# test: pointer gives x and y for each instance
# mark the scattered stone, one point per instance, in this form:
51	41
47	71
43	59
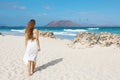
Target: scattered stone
47	34
86	38
102	39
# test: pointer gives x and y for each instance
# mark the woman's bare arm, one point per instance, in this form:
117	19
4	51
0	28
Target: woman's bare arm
26	40
37	39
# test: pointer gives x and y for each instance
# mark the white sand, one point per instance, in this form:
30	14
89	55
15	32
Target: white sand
57	61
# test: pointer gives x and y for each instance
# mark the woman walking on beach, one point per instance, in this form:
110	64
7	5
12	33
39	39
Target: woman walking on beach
32	46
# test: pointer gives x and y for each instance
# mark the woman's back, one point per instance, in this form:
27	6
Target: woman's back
35	33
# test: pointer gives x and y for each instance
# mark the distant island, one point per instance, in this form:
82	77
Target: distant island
68	23
61	23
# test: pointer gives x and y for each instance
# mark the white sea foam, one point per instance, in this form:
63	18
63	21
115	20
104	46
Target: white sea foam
75	30
21	31
93	28
59	33
64	34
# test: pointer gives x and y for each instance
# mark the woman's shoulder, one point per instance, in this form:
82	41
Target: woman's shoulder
36	31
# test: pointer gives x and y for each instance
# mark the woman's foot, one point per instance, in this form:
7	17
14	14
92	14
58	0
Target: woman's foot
30	74
33	71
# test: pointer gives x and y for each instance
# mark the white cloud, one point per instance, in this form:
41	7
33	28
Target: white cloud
47	7
42	14
87	13
12	5
45	14
19	7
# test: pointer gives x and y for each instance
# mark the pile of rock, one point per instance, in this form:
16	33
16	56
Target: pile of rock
47	34
0	33
91	39
107	39
86	38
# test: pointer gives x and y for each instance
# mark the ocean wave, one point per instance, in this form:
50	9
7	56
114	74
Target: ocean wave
16	30
93	28
75	30
64	33
58	33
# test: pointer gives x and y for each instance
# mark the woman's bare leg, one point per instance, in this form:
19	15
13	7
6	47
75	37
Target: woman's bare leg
29	68
34	66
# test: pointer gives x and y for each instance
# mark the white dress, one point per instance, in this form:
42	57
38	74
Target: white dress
31	51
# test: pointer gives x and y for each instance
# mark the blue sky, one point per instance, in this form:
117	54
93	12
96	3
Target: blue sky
19	12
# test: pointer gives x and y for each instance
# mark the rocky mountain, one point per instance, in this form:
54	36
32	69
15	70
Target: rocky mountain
62	23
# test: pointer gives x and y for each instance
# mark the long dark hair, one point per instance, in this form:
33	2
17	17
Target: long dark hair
29	29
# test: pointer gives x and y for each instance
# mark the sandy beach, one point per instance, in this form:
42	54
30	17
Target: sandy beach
57	61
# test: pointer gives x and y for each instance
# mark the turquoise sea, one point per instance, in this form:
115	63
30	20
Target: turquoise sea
60	32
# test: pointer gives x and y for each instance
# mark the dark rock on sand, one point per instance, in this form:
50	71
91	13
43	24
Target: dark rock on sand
47	34
0	33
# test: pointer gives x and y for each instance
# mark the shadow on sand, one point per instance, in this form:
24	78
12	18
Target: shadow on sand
51	63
